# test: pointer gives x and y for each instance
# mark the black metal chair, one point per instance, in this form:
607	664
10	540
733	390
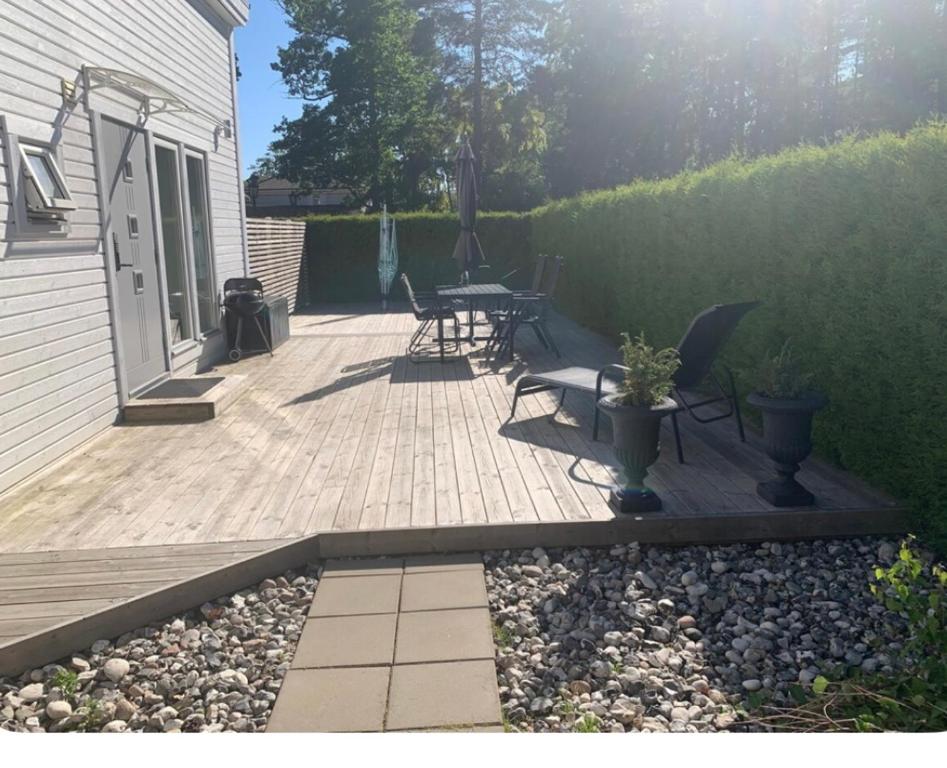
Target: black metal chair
529	308
427	318
537	282
698	350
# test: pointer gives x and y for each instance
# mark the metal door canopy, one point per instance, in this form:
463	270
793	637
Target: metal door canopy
155	99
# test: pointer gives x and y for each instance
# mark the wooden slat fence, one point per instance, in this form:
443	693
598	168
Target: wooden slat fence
276	257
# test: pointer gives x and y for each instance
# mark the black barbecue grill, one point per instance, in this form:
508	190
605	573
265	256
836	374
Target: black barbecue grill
243	299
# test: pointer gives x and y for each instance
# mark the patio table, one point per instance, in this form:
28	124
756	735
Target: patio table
473	294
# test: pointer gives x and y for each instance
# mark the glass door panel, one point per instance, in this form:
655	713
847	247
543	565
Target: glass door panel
200	245
172	234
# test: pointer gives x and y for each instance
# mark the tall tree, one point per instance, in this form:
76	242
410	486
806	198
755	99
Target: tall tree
366	70
486	44
565	95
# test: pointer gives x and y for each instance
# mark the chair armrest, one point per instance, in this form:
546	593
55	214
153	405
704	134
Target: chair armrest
613	371
508	275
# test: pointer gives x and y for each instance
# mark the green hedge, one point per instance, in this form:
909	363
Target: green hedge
847	247
342	252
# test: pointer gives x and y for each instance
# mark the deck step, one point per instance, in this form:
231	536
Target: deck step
182	405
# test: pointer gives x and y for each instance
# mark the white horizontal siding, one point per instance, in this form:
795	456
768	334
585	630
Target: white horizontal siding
57	373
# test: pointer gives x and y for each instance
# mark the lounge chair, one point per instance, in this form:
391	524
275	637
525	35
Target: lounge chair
698	349
427	317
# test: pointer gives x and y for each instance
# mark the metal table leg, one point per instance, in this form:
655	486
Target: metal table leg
470	321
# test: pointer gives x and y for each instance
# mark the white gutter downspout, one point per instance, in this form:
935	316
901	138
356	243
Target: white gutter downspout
236	144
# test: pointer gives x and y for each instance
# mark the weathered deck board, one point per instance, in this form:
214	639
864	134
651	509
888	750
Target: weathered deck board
340	432
41	590
340	435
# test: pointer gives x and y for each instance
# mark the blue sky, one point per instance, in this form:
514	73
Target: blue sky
262	96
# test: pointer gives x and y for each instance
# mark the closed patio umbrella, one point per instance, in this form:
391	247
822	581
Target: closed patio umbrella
387	256
467	253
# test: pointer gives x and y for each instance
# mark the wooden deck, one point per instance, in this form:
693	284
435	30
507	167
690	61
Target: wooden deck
39	590
339	432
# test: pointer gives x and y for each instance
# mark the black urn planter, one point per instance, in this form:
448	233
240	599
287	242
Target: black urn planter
787	437
636	439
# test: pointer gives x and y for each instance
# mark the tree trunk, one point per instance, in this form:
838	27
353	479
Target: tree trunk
478	90
942	77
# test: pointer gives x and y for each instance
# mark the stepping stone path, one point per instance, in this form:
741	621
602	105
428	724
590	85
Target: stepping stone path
394	645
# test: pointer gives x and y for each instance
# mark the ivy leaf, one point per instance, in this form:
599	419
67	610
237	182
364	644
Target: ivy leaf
798	694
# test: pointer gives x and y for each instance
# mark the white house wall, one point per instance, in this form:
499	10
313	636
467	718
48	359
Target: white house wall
58	380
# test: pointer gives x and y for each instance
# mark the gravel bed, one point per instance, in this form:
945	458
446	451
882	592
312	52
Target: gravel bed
658	639
217	668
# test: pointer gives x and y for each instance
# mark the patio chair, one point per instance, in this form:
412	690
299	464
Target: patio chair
698	350
529	308
536	285
427	317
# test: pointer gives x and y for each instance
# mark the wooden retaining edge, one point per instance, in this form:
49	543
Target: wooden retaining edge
58	641
55	642
789	525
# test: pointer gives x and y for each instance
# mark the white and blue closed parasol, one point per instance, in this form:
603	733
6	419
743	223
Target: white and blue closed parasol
387	255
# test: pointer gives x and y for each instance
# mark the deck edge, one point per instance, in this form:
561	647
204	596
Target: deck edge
58	641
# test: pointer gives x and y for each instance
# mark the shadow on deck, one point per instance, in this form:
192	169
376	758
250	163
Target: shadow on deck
339	446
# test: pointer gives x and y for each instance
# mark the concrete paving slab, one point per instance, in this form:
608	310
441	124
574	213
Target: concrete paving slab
452	635
357	596
434	563
331	700
442	590
346	641
335	569
459	693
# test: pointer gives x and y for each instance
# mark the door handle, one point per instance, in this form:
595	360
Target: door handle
118	256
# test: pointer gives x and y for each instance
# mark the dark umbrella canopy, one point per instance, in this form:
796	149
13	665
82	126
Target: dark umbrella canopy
467	253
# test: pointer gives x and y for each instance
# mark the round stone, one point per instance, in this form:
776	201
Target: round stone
125	710
541	705
57	710
578	687
600	668
680	713
686	622
116	669
100	646
31	693
660	634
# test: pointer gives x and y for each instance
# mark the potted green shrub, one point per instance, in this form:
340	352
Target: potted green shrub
787	402
636	410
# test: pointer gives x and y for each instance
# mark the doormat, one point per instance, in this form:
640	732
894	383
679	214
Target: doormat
176	388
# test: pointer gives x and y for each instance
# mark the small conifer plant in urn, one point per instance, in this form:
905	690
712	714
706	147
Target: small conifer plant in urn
785	398
636	410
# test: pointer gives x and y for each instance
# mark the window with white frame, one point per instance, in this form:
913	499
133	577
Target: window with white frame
40	199
47	194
